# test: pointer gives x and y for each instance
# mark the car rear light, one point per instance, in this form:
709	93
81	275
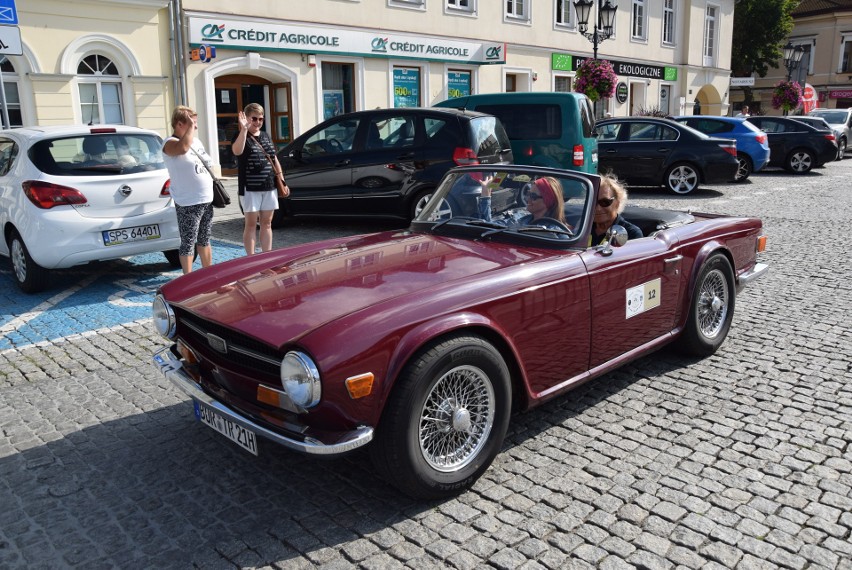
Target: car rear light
46	195
830	137
528	151
166	191
101	130
579	155
761	138
464	156
729	148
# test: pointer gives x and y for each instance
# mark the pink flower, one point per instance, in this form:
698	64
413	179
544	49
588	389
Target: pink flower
787	95
596	78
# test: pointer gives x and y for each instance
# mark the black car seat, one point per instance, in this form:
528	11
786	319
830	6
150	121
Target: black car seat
94	148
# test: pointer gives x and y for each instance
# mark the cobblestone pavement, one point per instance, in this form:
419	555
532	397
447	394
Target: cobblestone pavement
739	460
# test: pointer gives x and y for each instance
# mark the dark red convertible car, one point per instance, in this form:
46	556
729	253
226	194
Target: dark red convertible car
419	343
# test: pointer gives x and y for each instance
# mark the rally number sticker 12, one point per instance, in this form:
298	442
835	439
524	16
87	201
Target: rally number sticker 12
642	298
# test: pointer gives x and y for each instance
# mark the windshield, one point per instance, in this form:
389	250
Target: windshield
94	154
543	204
835	117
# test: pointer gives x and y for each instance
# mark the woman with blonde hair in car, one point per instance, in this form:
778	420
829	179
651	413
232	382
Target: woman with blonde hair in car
612	198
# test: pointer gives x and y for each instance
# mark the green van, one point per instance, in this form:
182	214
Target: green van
545	129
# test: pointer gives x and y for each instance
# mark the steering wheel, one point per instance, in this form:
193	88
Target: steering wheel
552	222
335	145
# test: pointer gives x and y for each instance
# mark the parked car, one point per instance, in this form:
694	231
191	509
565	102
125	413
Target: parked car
421	342
546	129
752	143
841	122
74	194
384	162
661	152
819	123
795	146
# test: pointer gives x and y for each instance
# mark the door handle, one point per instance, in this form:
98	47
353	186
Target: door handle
611	151
342	163
672	264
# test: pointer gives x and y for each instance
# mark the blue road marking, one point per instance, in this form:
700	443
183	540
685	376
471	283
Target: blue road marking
88	297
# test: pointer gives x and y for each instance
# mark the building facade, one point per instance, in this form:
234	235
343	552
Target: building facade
307	61
823	28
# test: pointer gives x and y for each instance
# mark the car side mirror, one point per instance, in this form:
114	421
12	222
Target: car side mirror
616	236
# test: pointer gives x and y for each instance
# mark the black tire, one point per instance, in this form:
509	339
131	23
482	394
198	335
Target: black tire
682	178
430	410
841	148
29	275
711	308
744	167
800	161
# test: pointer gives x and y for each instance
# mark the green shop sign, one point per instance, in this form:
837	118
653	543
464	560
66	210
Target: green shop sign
568	62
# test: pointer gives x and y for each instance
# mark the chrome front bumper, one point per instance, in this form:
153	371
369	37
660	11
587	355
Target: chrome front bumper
172	369
758	270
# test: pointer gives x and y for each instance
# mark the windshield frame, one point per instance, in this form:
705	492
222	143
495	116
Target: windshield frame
459	193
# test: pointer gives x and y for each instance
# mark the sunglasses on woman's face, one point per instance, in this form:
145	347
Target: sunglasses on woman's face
533	196
605	202
256	119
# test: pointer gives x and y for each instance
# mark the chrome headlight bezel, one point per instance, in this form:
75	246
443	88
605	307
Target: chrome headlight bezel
164	318
300	379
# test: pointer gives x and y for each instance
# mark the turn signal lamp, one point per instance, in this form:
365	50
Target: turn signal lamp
464	156
761	244
46	195
360	386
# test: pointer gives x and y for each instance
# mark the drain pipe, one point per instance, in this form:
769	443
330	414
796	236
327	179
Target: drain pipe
177	49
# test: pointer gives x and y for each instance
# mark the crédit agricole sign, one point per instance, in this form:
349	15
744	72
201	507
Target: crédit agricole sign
265	36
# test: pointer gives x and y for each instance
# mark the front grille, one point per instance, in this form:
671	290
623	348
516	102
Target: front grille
244	353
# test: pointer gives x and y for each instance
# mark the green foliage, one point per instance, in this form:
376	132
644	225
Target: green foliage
761	28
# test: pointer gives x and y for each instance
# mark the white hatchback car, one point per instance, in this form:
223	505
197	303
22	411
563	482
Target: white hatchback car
74	194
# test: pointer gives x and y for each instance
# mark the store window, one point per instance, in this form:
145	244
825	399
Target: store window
669	22
100	90
13	99
638	25
338	89
406	87
458	83
562	84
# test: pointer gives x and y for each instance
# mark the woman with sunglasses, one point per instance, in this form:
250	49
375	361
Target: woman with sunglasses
257	167
545	204
612	198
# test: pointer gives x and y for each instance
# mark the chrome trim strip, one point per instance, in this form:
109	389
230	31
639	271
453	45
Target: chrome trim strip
758	270
236	347
173	370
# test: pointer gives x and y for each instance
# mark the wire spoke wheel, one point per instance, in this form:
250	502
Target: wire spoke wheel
713	304
456	419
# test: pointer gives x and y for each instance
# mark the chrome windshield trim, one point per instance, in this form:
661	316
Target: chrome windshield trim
172	369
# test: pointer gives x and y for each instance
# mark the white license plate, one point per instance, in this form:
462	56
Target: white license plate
235	432
126	235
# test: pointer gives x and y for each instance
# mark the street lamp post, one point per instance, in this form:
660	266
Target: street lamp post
792	57
603	28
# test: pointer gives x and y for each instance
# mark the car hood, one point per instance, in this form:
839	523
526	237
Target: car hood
284	295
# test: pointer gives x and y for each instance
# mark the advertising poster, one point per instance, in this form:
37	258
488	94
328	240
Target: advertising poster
406	87
332	102
458	84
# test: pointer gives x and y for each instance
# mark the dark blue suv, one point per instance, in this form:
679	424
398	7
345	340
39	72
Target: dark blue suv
752	143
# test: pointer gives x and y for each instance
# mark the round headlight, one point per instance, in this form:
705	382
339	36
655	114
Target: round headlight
164	317
300	379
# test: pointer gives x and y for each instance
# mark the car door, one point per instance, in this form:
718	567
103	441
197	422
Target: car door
387	161
319	168
636	290
646	151
777	137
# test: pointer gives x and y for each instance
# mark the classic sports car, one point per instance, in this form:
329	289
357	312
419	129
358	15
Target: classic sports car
420	342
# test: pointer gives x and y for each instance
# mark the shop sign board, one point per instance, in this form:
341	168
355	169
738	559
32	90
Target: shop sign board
631	69
742	81
840	94
230	33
